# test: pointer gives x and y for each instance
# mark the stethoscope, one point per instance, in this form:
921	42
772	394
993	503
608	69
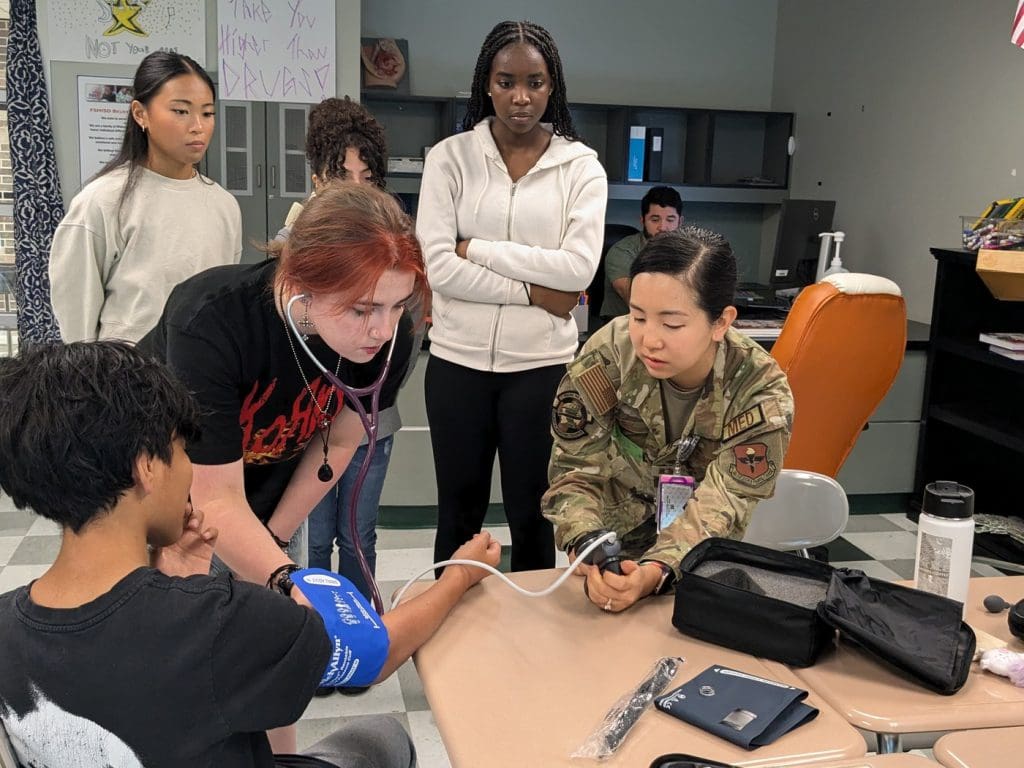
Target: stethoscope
370	421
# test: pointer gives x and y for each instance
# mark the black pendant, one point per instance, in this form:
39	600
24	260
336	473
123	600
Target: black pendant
325	473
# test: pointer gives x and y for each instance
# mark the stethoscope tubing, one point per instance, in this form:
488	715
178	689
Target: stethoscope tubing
369	421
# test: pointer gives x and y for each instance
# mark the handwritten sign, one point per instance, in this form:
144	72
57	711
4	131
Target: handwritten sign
276	50
126	31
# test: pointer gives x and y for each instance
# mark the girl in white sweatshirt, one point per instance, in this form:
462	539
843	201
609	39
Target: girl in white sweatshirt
149	219
511	219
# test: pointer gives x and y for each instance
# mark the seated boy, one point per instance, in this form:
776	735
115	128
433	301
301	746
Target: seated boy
109	661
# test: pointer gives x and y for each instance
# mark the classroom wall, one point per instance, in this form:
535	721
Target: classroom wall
708	53
924	125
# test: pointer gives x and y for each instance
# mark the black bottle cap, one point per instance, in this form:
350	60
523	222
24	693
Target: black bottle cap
1016	620
945	498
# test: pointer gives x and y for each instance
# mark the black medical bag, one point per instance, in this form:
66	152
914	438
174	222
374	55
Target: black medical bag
784	607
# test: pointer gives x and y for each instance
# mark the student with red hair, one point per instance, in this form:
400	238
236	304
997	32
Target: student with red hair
275	432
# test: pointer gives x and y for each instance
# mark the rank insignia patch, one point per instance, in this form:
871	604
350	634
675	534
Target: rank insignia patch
569	417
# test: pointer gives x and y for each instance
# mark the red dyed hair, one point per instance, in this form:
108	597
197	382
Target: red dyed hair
345	239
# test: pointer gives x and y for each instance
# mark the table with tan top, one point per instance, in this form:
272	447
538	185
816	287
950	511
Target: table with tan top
901	760
880	700
517	681
985	748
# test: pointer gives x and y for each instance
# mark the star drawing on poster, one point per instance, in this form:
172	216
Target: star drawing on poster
123	12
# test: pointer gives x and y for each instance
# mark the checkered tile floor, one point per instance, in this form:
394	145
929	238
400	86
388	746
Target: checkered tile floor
882	545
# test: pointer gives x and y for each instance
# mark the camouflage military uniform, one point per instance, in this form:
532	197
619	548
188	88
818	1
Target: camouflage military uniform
609	430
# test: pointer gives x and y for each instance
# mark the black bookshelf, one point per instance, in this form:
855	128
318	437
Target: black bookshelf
708	153
972	427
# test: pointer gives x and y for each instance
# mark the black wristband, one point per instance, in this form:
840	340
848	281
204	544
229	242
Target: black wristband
280	580
280	542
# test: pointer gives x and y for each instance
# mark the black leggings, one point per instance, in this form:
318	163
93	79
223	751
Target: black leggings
472	414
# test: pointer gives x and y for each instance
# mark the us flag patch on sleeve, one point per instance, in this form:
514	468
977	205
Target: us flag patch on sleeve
595	382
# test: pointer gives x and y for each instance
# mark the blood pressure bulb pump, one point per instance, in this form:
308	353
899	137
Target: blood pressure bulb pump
606	556
1015	619
945	539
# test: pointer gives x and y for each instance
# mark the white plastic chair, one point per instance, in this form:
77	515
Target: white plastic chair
807	510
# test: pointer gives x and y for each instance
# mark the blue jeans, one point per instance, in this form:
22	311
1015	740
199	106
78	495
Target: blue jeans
329	520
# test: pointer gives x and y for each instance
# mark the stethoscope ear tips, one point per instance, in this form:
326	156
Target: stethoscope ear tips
995	604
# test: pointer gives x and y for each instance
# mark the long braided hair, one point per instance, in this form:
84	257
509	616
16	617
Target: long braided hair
509	33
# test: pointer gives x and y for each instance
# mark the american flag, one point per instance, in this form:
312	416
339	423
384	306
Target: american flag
1017	36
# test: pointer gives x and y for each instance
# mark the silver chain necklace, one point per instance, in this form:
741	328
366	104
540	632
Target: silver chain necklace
325	473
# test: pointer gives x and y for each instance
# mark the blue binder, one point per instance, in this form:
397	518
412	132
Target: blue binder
635	164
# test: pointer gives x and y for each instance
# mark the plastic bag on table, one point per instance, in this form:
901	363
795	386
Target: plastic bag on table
615	726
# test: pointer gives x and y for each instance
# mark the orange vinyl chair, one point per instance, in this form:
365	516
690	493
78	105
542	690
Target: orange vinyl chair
841	347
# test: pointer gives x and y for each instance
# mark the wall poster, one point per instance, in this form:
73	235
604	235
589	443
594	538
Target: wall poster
276	50
103	106
126	31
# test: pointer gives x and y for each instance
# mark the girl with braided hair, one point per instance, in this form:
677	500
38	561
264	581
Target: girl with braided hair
511	220
509	33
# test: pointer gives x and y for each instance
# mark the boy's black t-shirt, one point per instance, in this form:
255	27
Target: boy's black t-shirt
222	335
158	671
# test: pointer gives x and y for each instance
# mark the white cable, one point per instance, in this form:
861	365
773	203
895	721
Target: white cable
610	536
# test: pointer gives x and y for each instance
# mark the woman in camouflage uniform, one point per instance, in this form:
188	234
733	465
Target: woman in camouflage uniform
672	369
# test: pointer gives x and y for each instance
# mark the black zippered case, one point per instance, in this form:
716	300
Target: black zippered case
784	607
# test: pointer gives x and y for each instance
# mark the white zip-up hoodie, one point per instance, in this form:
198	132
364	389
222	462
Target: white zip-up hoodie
546	229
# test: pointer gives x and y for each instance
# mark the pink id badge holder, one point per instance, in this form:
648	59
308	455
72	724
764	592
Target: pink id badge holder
675	488
674	491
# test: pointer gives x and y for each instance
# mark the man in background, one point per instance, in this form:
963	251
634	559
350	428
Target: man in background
661	210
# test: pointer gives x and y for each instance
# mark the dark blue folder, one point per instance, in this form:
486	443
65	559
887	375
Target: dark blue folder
747	710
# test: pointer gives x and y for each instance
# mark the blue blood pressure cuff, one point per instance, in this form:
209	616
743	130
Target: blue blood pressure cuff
359	639
747	710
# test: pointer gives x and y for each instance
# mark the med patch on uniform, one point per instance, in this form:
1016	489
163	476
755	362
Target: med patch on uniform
750	418
752	465
569	417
